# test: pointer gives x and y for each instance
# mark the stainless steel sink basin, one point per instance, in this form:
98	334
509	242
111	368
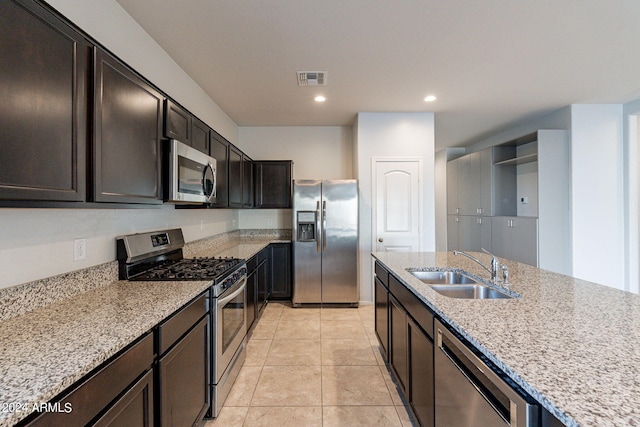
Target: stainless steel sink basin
442	277
476	291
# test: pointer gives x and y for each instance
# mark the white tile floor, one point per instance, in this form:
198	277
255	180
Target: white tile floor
313	367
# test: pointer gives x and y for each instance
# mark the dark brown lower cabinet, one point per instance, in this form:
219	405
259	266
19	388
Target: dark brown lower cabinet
421	384
280	287
263	273
183	370
398	343
113	389
135	408
382	317
404	327
184	397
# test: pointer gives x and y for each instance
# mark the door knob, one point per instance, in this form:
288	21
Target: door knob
380	240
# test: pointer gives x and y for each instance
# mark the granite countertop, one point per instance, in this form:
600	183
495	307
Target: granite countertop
47	349
572	344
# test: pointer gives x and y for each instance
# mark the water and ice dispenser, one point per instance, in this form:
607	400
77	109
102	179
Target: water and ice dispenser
306	230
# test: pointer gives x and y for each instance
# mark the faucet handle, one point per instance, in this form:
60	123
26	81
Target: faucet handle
495	264
505	274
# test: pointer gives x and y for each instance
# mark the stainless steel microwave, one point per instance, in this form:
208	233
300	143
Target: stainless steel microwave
190	174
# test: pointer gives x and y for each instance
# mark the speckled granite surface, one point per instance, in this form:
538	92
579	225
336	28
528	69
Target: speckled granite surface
573	345
47	344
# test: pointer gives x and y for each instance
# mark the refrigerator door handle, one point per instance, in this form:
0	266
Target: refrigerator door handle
324	226
318	226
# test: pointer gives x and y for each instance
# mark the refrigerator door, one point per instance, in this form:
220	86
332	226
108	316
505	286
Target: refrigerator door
307	262
339	233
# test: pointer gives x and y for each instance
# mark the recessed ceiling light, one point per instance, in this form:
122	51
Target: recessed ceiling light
320	98
430	98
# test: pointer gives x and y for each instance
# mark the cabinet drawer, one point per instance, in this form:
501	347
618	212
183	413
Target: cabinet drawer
178	324
416	308
382	274
96	392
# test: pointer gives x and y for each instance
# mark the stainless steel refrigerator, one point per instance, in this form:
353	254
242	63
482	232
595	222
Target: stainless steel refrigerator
325	242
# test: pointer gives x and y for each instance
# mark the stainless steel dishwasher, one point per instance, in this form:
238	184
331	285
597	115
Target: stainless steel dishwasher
469	393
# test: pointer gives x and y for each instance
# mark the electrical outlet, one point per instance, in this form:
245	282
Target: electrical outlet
201	224
270	222
79	249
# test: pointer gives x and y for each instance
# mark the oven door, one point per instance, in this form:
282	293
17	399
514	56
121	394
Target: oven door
192	175
231	325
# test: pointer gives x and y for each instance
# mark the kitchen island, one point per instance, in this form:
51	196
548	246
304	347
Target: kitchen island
55	331
574	346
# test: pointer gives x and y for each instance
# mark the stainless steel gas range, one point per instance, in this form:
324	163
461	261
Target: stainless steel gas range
158	256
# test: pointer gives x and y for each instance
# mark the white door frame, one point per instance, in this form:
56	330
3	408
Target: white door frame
374	197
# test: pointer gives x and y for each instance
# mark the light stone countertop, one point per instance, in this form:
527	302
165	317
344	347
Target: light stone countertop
572	344
47	349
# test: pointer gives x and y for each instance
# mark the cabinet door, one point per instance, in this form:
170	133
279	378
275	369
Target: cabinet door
280	271
199	136
452	187
252	293
501	236
219	150
398	358
273	184
421	384
235	177
183	372
134	408
475	233
453	233
127	130
44	79
468	185
247	182
524	240
382	316
485	181
177	123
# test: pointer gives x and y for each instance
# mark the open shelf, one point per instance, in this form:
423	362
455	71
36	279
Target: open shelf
529	158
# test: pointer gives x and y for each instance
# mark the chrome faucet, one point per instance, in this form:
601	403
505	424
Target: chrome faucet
495	264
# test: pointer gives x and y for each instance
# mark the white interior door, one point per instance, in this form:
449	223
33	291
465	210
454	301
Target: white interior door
397	205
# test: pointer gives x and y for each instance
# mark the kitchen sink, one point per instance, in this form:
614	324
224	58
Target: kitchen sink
475	291
442	277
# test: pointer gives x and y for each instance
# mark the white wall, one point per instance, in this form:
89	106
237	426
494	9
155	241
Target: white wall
632	193
108	23
392	135
597	196
318	152
38	243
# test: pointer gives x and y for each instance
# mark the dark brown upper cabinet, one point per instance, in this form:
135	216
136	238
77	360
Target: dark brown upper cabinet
235	177
127	133
199	135
219	150
181	125
44	75
247	182
272	187
177	123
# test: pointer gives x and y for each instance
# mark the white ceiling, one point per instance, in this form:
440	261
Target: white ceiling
490	63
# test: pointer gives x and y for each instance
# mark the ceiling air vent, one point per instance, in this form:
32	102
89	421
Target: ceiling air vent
312	78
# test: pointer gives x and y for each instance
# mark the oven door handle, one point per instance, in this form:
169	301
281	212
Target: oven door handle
223	301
